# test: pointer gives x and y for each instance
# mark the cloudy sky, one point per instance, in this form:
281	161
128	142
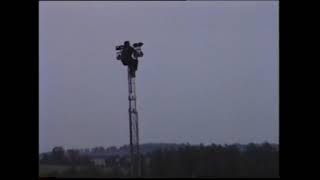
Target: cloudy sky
209	74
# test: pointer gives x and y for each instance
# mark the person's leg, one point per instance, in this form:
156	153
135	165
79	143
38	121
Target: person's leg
132	71
134	64
131	67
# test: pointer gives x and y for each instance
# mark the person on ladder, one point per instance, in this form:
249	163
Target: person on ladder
127	58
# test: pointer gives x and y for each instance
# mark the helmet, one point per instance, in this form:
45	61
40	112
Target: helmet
126	43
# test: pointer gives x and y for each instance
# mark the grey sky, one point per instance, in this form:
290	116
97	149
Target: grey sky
209	74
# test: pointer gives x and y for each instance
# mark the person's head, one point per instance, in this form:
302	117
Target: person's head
126	43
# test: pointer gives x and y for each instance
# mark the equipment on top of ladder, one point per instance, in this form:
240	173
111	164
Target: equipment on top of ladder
129	57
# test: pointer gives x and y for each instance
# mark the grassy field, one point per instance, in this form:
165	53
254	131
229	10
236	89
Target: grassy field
46	170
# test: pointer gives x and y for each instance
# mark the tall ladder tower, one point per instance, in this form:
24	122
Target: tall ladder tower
135	158
134	128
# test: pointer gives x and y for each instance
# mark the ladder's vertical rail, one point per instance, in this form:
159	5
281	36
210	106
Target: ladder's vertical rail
130	124
136	124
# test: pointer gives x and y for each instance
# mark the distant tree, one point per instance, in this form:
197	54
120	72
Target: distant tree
111	149
74	156
98	149
58	154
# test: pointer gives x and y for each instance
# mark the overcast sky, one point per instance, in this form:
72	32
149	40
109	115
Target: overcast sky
209	74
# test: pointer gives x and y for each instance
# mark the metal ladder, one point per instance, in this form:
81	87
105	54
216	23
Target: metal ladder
134	130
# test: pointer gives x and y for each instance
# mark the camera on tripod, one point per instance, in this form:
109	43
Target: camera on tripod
119	48
137	47
137	44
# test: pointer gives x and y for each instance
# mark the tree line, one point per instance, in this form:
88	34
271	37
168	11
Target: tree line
215	161
228	161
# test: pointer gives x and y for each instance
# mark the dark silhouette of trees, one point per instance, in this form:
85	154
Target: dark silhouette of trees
215	161
228	161
58	155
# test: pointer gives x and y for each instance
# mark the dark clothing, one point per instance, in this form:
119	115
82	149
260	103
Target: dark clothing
133	65
126	58
127	53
